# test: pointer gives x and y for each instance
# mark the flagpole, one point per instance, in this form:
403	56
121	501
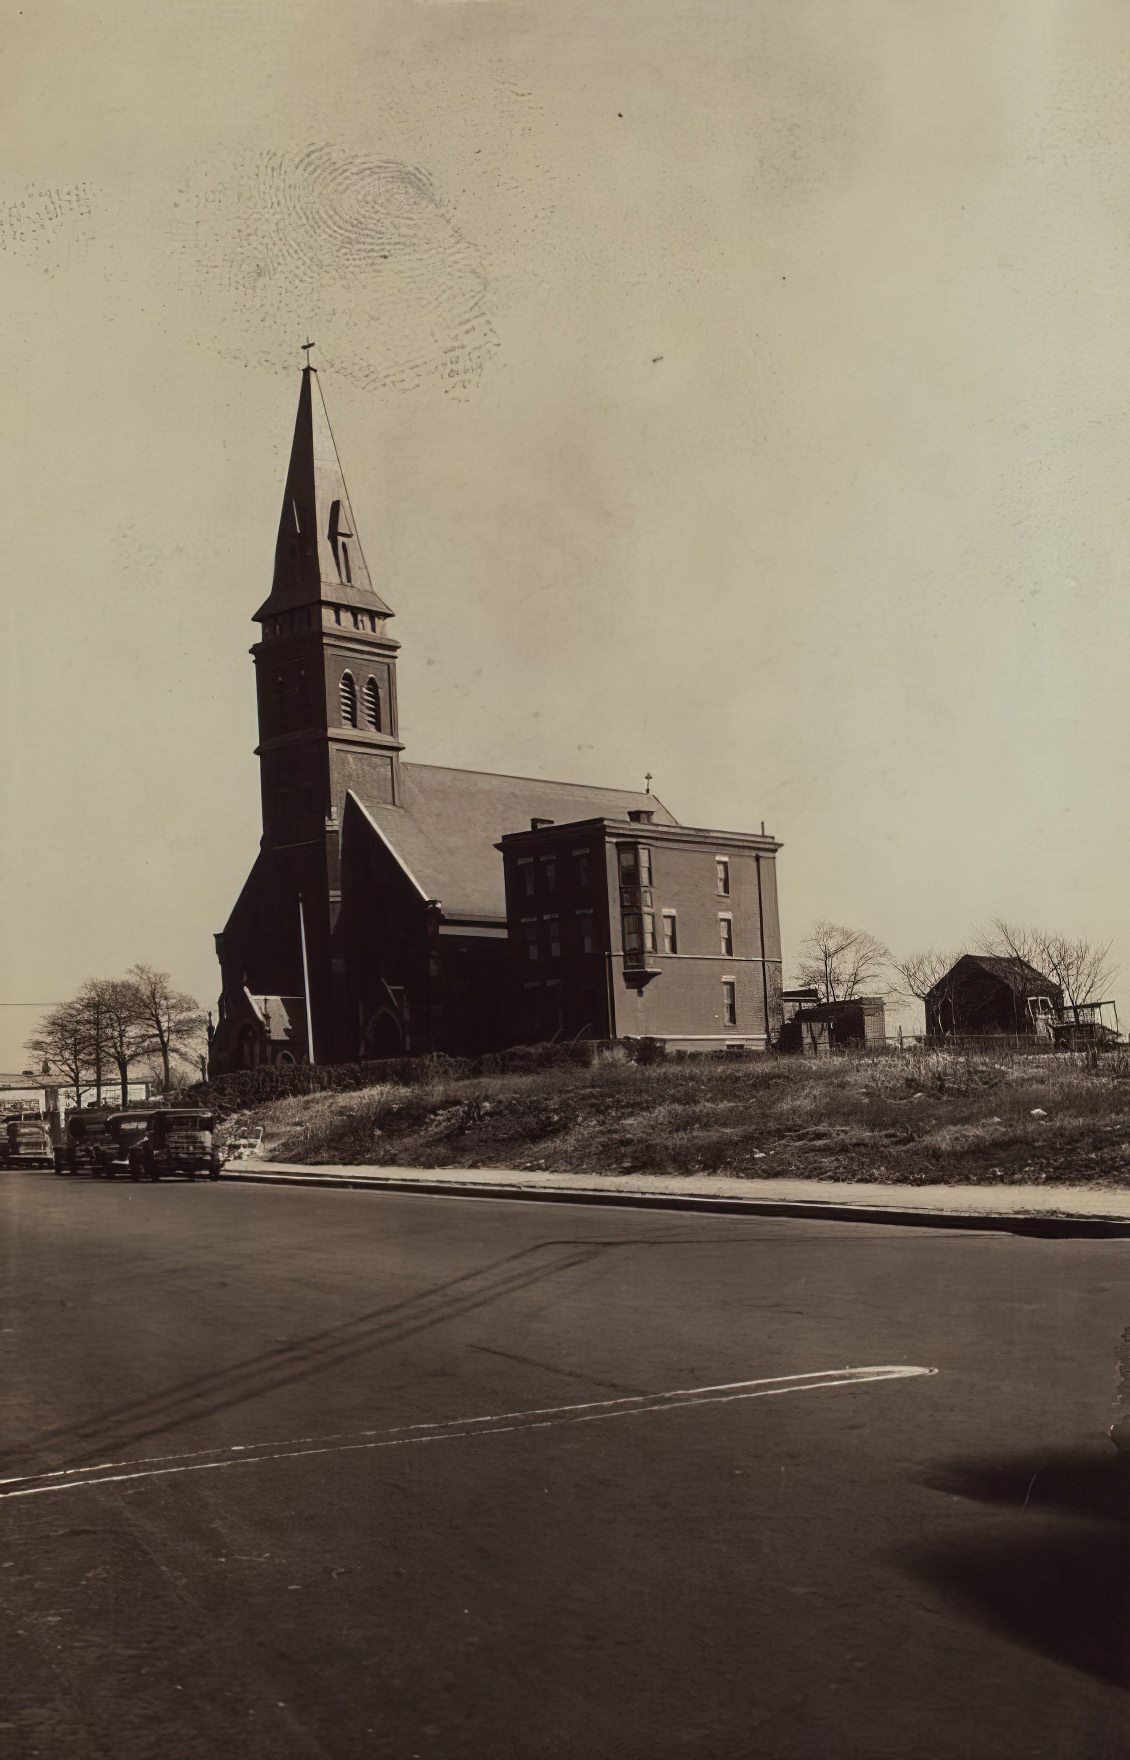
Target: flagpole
306	981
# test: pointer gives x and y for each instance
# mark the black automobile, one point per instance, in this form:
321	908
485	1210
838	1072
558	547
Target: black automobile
97	1142
179	1140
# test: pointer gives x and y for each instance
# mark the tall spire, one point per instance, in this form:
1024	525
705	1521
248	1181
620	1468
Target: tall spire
318	553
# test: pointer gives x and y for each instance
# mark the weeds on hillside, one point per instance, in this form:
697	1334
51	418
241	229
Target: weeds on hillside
918	1116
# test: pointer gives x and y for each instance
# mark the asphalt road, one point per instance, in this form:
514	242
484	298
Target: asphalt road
247	1550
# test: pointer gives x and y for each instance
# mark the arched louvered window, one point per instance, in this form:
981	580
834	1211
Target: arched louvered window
348	700
371	697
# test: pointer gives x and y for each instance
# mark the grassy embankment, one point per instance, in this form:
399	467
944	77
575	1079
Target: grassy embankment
916	1117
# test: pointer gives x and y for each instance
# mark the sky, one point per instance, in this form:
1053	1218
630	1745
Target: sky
734	390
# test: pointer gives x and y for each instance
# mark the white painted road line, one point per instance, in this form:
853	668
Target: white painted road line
403	1435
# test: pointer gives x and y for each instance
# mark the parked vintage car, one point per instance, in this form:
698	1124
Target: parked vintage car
97	1141
27	1142
85	1143
123	1130
178	1140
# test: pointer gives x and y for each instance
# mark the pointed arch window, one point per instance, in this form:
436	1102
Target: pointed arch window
371	697
348	692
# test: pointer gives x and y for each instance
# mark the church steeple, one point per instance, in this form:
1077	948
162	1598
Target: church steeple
318	554
325	663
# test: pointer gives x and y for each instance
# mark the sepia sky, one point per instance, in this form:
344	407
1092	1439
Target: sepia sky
732	389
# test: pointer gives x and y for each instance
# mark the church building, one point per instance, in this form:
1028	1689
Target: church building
393	906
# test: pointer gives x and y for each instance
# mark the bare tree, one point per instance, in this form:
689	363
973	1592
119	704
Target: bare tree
842	963
119	1021
125	1028
91	1002
1003	940
61	1045
174	1021
1084	970
919	974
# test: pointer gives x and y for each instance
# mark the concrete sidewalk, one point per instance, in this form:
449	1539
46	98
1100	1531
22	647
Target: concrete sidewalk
1056	1211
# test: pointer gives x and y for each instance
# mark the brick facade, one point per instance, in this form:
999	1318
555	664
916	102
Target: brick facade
386	912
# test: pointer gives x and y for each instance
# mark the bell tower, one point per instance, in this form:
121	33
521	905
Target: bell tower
325	664
325	679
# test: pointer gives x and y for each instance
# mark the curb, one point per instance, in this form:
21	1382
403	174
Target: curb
1042	1227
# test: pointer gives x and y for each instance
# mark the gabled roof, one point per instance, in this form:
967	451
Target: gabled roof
317	552
444	834
283	1017
1021	978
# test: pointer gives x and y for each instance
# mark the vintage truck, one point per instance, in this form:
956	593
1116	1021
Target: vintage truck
179	1140
26	1141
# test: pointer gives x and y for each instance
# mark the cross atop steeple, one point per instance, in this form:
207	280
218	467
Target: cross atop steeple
307	346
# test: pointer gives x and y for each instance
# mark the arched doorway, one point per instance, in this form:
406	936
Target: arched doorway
382	1037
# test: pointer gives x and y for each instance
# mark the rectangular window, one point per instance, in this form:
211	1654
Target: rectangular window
635	876
584	867
649	943
553	930
584	931
632	925
670	932
549	873
723	867
729	1002
526	870
530	931
726	935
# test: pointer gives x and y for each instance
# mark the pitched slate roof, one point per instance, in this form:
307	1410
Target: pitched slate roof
444	834
284	1017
